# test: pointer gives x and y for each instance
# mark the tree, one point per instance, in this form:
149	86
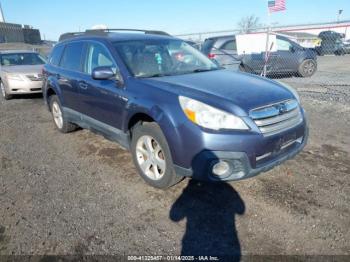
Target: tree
248	24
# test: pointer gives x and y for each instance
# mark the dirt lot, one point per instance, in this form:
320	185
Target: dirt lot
80	194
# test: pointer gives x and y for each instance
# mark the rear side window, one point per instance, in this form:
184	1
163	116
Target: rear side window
230	45
56	54
72	55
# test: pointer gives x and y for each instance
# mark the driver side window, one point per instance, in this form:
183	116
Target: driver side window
96	56
283	45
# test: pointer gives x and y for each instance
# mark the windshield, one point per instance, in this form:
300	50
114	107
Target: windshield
153	58
17	59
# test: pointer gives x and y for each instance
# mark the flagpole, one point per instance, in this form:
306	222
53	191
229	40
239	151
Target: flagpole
267	39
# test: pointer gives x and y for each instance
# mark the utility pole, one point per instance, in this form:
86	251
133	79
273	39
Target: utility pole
263	73
2	17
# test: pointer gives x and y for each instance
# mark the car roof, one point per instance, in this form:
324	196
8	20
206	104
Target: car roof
115	37
221	37
17	51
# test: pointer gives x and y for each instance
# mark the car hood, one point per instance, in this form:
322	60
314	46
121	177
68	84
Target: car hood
23	69
222	86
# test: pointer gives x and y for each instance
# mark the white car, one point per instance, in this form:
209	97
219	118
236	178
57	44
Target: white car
20	73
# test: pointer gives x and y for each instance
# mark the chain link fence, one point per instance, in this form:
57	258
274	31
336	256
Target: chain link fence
317	64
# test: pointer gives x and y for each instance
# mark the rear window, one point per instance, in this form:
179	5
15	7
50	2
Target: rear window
56	54
72	56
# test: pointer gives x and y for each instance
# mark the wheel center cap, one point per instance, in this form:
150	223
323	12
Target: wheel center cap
153	157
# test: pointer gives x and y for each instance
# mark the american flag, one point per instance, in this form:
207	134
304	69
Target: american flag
276	5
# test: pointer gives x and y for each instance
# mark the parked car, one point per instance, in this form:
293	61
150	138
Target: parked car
20	73
290	57
347	47
196	45
331	43
179	119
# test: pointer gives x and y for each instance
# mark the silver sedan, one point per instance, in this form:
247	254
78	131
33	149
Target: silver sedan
20	73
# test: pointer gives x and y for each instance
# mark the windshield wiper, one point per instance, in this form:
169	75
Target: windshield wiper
154	75
199	70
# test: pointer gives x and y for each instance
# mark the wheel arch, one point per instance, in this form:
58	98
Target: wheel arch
50	91
166	123
137	118
51	88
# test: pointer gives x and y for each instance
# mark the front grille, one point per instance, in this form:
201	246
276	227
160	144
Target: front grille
286	146
278	117
35	77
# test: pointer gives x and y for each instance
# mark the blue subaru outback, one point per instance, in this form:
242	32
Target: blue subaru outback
179	114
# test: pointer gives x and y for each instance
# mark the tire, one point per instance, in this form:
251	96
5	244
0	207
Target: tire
307	68
3	92
58	116
158	169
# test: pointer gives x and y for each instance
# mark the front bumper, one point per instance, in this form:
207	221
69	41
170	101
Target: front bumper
241	164
23	87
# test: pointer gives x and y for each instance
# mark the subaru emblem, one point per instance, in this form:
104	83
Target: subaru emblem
282	108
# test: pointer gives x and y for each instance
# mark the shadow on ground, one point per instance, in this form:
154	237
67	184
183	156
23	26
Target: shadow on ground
27	96
210	210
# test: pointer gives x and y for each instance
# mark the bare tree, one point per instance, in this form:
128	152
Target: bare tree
248	24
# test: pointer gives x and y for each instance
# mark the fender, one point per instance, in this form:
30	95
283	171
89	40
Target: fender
51	83
164	119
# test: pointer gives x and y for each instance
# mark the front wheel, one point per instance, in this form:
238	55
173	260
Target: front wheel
307	68
3	92
152	156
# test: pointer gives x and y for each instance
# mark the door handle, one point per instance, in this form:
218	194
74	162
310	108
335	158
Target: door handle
62	79
83	85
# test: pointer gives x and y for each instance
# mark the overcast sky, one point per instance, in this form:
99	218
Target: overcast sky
54	17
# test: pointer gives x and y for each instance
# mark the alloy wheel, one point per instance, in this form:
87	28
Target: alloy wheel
57	115
309	68
150	157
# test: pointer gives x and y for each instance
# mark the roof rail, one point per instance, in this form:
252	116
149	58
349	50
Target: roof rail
70	35
106	31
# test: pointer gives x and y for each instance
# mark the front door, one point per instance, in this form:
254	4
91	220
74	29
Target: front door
287	56
101	100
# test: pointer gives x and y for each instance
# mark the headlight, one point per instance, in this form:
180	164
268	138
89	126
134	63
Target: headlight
291	89
14	77
210	117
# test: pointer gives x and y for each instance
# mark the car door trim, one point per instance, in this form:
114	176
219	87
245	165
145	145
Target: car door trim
87	122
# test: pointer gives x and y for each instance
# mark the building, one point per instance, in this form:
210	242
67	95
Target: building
16	33
304	39
342	27
301	31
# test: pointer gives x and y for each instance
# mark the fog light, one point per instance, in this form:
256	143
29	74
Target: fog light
221	168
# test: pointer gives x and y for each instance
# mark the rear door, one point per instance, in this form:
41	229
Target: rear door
70	74
101	100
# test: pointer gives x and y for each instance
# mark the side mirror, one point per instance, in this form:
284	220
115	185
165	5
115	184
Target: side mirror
102	73
292	49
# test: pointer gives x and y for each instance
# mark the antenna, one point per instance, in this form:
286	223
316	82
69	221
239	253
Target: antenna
2	17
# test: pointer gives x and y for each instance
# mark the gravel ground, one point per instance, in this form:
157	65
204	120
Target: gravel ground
80	194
